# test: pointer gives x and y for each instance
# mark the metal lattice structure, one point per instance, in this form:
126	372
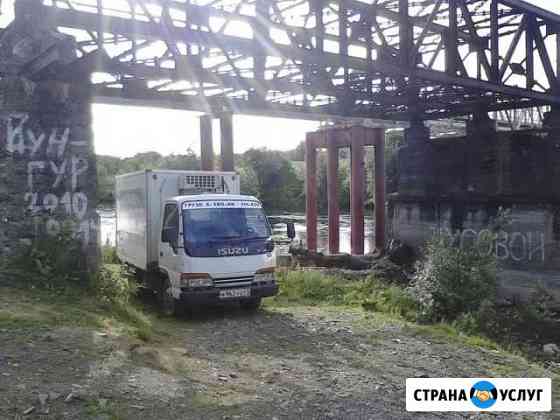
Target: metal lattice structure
384	59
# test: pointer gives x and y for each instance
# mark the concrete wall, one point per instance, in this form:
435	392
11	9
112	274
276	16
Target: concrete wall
47	162
457	186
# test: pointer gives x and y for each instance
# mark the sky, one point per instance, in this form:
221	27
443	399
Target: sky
124	131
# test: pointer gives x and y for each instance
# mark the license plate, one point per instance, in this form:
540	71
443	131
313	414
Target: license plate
235	293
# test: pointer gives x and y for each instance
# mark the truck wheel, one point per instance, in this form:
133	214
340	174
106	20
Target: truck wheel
167	302
251	305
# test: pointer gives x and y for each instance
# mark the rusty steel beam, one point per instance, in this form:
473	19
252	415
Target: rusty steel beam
357	191
311	209
332	192
357	60
380	218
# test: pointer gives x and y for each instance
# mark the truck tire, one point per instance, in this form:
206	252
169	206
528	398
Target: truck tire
169	306
251	305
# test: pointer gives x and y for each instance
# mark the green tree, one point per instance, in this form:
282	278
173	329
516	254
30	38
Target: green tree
273	178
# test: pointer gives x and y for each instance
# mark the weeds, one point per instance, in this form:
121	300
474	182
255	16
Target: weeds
314	288
51	263
109	254
111	285
453	280
55	269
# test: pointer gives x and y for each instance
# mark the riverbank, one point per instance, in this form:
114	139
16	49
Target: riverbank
304	355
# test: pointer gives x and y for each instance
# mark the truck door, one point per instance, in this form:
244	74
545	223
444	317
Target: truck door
169	246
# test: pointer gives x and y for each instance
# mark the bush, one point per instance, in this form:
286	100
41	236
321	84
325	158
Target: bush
109	255
111	285
392	300
51	262
453	280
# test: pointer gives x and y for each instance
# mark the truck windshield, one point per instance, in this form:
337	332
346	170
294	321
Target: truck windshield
220	232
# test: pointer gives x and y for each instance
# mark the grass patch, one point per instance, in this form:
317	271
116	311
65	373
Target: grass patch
313	288
449	333
33	307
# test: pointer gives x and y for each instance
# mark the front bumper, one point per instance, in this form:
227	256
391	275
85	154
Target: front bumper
211	296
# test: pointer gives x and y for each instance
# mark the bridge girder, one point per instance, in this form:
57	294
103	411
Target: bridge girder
383	59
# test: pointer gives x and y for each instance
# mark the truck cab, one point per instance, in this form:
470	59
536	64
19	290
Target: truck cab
215	248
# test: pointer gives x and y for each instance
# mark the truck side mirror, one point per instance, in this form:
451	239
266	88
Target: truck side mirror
291	230
169	235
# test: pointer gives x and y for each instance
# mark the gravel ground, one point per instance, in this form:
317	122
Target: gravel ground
292	362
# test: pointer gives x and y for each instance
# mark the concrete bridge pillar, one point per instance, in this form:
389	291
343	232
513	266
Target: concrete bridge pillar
226	131
47	160
206	143
481	123
207	156
416	173
47	163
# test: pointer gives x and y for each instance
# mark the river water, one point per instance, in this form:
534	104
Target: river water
278	222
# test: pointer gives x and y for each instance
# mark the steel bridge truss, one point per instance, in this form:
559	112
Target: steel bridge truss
384	59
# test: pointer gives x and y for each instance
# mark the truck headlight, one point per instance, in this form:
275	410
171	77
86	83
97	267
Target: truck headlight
196	280
265	275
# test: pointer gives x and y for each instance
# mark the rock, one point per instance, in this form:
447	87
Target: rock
389	272
222	378
75	395
138	407
401	254
53	396
29	411
551	349
43	398
233	375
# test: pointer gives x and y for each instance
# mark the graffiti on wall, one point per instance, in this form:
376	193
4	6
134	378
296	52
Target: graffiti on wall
506	246
54	175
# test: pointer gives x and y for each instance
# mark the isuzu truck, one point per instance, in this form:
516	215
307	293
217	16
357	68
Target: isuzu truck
194	239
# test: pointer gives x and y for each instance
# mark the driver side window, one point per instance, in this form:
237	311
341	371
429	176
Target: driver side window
170	229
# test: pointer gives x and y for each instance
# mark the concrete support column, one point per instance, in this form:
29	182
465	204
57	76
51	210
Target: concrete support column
226	129
357	192
47	165
311	193
379	134
416	165
481	123
332	193
206	144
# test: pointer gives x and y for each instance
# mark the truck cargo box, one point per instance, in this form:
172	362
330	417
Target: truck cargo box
139	197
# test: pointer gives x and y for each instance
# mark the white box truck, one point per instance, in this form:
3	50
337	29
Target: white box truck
193	239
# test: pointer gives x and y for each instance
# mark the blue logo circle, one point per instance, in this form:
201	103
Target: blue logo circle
484	394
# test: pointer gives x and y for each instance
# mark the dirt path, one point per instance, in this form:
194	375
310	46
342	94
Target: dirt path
280	363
